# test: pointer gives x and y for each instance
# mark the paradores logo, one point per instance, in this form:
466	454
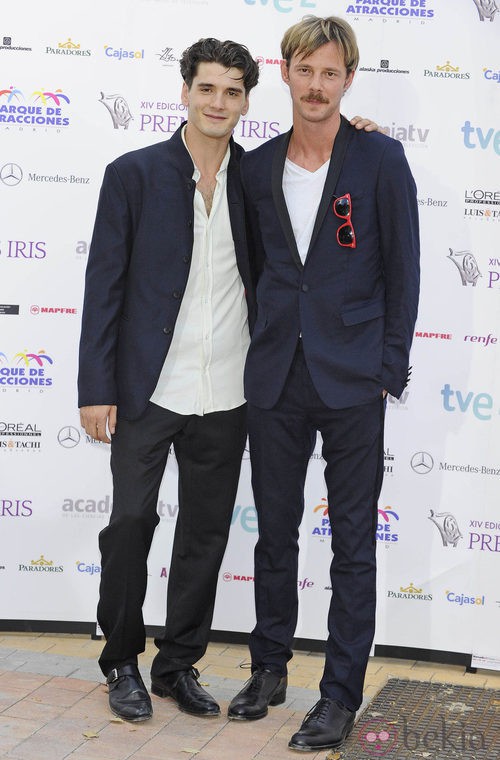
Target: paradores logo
42	108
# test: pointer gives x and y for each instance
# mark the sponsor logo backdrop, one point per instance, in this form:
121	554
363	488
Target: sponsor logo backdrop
104	80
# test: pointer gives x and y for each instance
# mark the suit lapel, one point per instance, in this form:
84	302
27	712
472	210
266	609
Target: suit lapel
336	160
279	198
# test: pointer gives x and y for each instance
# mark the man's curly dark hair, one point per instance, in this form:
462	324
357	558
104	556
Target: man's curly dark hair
228	53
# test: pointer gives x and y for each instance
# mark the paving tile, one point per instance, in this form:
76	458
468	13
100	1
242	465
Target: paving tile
27	708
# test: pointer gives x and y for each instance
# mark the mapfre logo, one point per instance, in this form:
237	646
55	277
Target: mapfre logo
228	577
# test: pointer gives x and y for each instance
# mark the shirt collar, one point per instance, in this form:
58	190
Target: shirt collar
196	172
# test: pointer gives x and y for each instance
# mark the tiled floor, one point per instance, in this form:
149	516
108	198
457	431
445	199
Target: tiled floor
53	704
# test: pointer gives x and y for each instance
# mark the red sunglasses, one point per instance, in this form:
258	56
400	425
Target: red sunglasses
345	234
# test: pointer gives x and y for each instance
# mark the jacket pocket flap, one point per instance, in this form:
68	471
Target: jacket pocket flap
364	313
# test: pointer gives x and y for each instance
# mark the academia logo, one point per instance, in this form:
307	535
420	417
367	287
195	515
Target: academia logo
410	135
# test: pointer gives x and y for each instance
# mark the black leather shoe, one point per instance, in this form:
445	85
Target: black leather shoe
261	690
183	686
325	726
128	697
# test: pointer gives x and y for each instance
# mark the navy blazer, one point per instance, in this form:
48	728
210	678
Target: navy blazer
138	268
354	307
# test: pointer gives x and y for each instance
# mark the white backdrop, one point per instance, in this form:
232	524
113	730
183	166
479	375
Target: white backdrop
82	83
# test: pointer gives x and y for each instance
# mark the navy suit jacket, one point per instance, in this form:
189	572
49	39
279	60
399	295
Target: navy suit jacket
354	307
138	268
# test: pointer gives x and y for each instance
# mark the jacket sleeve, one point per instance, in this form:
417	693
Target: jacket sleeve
397	209
105	283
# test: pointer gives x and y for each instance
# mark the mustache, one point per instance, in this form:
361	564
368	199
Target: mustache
314	97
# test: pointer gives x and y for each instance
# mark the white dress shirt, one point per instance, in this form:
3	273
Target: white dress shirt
203	370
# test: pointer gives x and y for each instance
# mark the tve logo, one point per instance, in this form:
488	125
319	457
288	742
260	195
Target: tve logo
480	403
246	517
485	139
283	6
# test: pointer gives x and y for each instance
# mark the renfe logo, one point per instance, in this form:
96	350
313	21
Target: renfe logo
480	403
484	139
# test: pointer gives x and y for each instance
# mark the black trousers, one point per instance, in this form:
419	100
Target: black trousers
209	449
282	440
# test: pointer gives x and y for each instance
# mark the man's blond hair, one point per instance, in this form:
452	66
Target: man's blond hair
312	32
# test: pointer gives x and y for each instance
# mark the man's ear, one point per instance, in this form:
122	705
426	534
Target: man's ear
185	94
246	106
284	72
348	80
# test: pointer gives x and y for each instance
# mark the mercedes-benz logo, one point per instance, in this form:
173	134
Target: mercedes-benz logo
68	437
422	462
11	174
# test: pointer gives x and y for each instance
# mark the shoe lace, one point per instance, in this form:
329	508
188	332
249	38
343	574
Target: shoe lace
318	711
254	684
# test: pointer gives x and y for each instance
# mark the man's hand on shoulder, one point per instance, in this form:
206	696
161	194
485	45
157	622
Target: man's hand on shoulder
367	124
99	421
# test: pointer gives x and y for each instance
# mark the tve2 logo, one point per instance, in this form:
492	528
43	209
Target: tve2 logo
476	136
283	6
480	404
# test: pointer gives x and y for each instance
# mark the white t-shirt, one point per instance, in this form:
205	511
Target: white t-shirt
303	190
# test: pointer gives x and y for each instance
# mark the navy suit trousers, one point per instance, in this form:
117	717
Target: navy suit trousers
282	440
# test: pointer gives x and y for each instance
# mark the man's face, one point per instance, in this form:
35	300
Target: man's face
317	83
215	100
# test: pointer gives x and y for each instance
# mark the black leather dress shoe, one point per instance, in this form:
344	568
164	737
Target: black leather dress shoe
325	726
128	697
183	686
261	690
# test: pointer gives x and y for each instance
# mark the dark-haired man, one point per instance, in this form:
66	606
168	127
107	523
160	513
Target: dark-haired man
335	212
165	330
168	303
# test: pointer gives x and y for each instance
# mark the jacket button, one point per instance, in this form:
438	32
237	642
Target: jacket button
167	330
304	288
185	259
190	222
176	294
